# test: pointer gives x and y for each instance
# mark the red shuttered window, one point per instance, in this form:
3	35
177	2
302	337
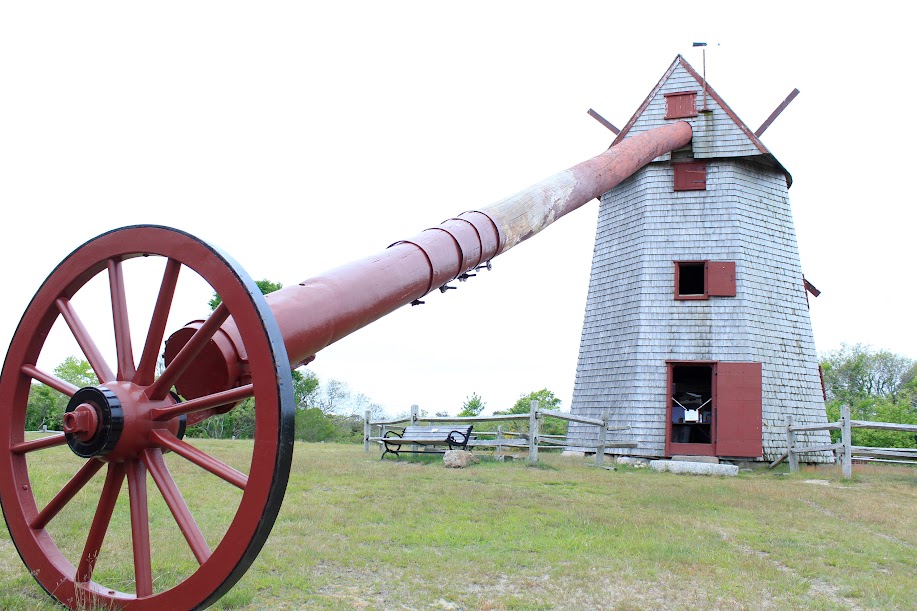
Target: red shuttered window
703	279
691	176
721	278
680	105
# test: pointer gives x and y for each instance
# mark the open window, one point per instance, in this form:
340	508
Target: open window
704	279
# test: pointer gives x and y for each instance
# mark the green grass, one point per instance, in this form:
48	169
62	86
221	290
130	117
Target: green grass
359	533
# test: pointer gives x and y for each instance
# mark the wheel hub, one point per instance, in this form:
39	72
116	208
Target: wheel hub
82	422
93	421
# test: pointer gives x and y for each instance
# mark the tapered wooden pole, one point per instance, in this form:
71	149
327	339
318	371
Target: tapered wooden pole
319	311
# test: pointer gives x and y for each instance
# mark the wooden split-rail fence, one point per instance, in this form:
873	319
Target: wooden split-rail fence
502	439
844	450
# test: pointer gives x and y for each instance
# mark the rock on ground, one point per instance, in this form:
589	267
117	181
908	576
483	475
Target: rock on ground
459	459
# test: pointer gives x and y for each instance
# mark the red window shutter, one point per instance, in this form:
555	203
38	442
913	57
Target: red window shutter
738	410
680	105
691	176
721	278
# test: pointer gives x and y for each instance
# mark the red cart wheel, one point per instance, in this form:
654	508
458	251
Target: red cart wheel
76	533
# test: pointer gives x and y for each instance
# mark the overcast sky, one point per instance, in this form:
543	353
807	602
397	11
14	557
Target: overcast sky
299	137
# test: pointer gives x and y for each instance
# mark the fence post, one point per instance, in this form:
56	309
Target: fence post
367	431
603	432
847	460
533	432
415	414
791	456
498	452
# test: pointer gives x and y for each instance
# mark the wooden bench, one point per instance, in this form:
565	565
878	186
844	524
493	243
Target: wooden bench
455	438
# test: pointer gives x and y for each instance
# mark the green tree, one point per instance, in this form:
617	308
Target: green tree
909	390
313	425
46	406
266	287
305	388
855	372
473	406
545	398
76	371
546	401
877	409
878	386
241	420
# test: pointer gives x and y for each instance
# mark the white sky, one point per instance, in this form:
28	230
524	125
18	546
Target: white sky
301	136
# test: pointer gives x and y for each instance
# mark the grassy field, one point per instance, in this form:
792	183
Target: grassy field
359	533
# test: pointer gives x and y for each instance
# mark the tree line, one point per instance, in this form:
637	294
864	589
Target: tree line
878	385
324	412
474	406
328	411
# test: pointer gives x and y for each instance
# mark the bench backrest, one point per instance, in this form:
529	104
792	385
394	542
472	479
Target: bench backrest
433	433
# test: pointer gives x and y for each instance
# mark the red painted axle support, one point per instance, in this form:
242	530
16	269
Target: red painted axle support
320	311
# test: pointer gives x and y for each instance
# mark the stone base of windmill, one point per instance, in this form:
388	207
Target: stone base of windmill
694	467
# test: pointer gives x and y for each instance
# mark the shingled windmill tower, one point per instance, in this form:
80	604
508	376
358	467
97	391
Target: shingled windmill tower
696	332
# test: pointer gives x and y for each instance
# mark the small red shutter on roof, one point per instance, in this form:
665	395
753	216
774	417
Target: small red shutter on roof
738	409
721	278
691	176
680	105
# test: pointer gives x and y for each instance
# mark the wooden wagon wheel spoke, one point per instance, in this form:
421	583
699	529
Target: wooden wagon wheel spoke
140	527
163	385
50	380
84	339
169	490
66	494
51	441
146	369
121	320
201	459
205	403
132	417
100	522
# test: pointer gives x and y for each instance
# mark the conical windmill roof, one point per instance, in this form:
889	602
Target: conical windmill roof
718	130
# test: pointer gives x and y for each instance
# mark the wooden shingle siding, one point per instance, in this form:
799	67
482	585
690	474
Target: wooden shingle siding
632	326
716	134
